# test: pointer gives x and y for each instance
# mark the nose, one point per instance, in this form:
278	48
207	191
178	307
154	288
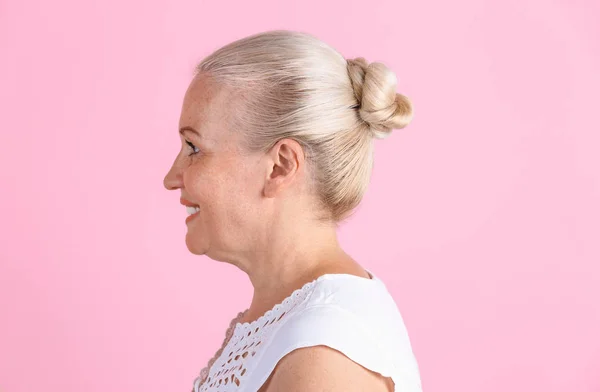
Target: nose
173	180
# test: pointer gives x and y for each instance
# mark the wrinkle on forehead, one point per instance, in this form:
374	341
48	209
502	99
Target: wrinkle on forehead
207	107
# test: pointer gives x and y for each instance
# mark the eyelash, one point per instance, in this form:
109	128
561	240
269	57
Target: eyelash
193	148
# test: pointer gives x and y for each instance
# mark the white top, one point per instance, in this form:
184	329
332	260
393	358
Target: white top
356	316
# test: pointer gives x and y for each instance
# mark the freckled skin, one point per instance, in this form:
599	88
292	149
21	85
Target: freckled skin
222	181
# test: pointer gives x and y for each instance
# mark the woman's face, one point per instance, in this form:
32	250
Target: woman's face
213	173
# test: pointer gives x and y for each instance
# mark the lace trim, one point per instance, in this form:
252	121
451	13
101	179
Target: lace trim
237	330
282	306
239	333
201	379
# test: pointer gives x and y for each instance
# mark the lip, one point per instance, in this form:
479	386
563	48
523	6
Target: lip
190	217
187	203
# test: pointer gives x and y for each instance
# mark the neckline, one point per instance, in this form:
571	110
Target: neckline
305	287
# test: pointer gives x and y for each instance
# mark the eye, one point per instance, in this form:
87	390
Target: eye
195	149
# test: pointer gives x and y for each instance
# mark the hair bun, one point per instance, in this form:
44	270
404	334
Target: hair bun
380	106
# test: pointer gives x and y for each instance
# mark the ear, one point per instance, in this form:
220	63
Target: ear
285	160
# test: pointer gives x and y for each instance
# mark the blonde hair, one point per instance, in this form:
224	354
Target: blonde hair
292	85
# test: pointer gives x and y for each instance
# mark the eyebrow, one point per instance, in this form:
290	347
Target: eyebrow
183	129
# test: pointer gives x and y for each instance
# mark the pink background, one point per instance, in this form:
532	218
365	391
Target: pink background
483	216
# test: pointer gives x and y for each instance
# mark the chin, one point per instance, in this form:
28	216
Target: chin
194	247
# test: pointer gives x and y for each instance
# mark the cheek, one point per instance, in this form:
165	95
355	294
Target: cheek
197	183
231	185
237	191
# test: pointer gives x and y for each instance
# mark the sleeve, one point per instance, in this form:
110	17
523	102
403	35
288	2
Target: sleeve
341	330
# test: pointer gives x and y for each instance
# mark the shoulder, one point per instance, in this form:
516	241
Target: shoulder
347	329
357	311
321	368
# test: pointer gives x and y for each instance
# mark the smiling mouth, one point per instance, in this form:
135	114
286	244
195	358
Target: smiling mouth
192	210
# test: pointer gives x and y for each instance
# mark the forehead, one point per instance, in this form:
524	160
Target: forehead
204	105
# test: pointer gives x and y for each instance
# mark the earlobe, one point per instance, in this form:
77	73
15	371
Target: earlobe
271	182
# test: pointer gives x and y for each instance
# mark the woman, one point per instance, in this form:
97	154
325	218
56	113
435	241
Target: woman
277	141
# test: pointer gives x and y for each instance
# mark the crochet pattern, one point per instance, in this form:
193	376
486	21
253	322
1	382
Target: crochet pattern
241	348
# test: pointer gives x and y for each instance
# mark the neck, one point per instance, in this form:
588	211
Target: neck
287	263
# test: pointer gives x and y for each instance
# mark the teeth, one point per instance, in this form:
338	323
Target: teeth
192	210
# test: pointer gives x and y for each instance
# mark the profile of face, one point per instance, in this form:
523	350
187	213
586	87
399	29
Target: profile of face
215	174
